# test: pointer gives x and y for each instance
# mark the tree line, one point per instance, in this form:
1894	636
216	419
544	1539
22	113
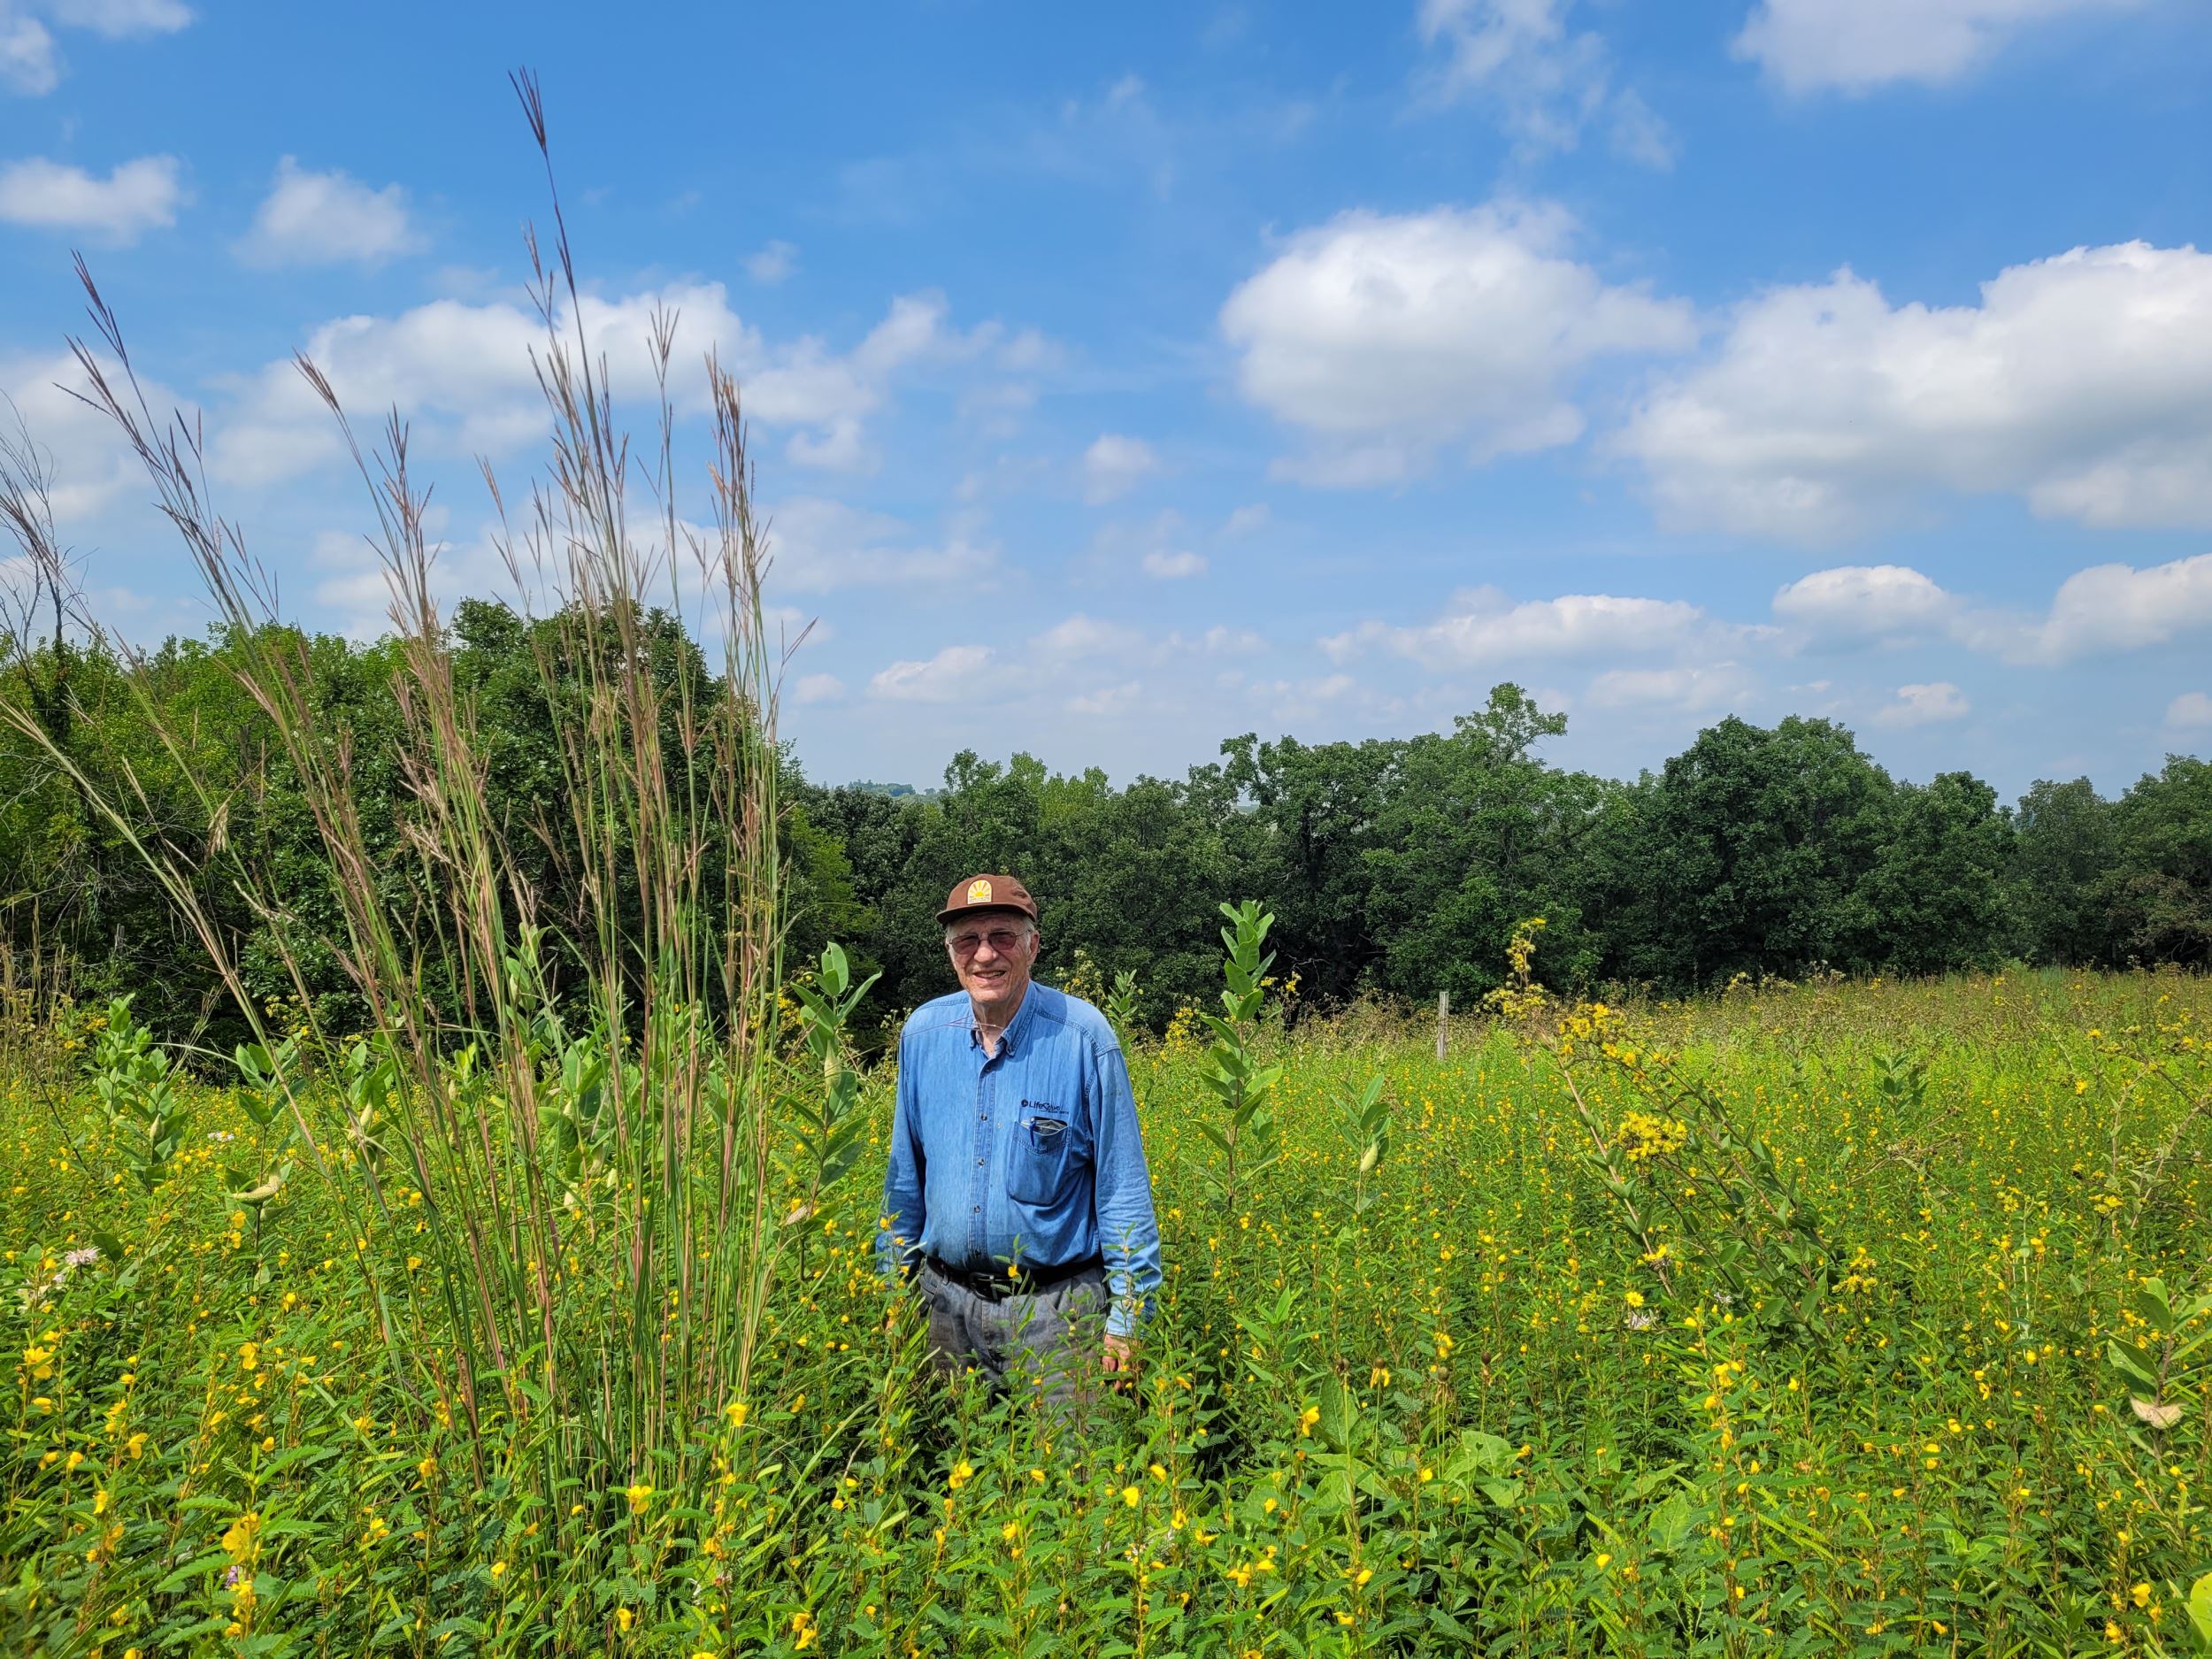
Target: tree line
1395	868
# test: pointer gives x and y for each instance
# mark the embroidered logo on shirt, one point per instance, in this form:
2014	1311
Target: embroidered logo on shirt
979	893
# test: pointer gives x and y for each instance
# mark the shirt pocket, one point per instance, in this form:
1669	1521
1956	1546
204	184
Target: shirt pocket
1039	1162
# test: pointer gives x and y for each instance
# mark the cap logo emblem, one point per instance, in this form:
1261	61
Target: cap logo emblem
979	893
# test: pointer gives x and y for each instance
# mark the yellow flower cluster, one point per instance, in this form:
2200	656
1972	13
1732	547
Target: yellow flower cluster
1644	1135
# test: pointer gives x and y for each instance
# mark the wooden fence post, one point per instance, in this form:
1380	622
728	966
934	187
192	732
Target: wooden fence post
1443	1022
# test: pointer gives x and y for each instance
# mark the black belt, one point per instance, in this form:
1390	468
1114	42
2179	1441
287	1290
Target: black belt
1025	1281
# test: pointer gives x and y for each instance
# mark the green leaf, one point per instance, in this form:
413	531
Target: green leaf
2200	1611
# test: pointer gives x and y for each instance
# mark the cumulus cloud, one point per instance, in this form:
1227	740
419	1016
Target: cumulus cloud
1690	688
88	465
1387	338
1121	698
1924	705
353	583
2098	612
955	673
1155	547
121	19
30	58
1483	627
1170	567
2082	382
135	197
2111	608
817	545
28	61
462	371
1856	46
772	264
2191	711
1114	465
812	688
1548	82
1081	636
1865	603
328	218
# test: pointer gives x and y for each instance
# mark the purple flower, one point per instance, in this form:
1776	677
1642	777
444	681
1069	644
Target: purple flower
230	1578
85	1257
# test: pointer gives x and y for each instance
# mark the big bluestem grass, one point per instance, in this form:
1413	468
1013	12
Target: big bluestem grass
578	1130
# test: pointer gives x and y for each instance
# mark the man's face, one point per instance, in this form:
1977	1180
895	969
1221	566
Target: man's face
993	955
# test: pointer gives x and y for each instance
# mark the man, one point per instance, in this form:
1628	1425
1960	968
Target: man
1017	1190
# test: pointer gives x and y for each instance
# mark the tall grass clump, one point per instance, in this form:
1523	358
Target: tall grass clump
558	1162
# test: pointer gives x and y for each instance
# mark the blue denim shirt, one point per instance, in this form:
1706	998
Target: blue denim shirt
1032	1154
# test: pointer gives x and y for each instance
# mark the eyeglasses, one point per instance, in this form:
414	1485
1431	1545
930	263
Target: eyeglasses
1003	940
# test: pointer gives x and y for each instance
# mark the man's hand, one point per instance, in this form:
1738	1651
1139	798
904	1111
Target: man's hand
1121	1357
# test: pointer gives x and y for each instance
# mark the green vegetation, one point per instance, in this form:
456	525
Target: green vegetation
1861	1317
1394	869
439	1207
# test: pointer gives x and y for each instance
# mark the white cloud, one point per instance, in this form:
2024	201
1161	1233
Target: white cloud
464	372
772	264
1114	465
2100	610
841	446
813	688
1857	45
1155	547
1691	689
1246	519
1924	705
1220	641
2191	711
1483	627
1108	700
816	545
2111	608
354	584
89	466
30	60
2082	382
1865	602
326	219
1548	82
121	19
136	197
1170	567
956	672
1387	338
1082	636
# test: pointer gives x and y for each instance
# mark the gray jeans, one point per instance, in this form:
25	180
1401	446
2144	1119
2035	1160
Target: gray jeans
1050	1342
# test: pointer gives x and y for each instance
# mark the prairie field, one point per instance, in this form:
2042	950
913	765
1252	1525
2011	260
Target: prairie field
1840	1318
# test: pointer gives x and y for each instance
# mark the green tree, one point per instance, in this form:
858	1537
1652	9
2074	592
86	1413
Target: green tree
1759	842
1474	834
1937	893
2063	849
2161	892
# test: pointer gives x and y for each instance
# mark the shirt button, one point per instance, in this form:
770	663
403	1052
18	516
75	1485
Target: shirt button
978	1163
978	1210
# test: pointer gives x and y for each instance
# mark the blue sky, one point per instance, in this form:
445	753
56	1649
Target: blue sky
1126	378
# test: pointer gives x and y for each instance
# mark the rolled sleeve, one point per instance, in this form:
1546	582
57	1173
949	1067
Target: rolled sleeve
899	1238
1128	1231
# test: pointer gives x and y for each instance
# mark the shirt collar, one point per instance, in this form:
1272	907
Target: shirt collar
1012	1037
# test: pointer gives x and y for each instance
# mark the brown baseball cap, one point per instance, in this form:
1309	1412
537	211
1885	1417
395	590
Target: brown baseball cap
988	893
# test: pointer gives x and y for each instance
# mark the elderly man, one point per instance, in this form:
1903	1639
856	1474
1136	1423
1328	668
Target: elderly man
1017	1190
